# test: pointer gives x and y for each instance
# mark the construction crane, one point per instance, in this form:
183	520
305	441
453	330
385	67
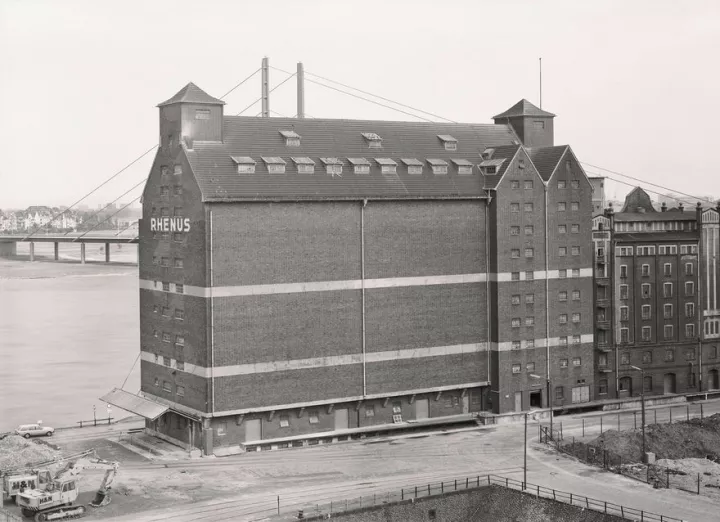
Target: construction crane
55	502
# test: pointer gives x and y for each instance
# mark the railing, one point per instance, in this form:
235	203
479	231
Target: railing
326	510
95	422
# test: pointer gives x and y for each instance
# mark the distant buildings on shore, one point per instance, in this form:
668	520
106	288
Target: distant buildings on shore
57	219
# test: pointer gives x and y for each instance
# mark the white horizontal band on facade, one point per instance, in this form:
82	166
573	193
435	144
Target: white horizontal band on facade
353	284
323	362
553	342
310	404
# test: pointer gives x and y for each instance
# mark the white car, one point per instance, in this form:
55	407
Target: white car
34	430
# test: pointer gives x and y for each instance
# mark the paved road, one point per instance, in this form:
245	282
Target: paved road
306	476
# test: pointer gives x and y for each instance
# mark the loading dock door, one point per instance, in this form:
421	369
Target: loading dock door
580	394
518	401
341	419
252	430
421	409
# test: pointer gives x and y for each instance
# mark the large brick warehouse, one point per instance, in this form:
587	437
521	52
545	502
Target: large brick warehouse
313	275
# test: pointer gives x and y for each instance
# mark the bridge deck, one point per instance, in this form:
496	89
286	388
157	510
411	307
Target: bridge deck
69	239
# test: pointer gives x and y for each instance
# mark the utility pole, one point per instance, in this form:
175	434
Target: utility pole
642	406
525	455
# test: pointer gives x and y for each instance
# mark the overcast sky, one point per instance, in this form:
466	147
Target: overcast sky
634	84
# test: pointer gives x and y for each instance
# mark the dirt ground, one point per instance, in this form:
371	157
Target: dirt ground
687	454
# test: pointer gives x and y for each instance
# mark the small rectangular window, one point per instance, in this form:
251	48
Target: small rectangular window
529	321
574	205
514	207
624	313
528	184
166	287
515	299
515	276
623	271
528	207
177	170
313	417
577	361
562	251
645	333
562	273
647	357
602	387
667	311
575	250
529	230
689	288
623	291
562	295
602	359
562	229
529	275
561	184
179	314
177	190
529	252
514	231
645	289
576	295
166	387
515	253
625	358
690	331
180	340
563	363
645	270
515	322
576	317
515	345
576	339
529	298
689	309
514	184
575	184
688	269
178	262
179	288
563	319
646	312
166	311
516	368
369	410
178	237
202	114
530	367
667	289
563	340
668	331
624	335
574	229
530	343
669	355
180	390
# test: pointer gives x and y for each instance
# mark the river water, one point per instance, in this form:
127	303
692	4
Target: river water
69	333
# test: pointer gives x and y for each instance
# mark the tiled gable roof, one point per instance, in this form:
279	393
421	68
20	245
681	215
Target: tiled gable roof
505	153
524	108
191	93
219	180
546	159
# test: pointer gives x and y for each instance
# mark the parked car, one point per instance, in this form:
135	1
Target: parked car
34	430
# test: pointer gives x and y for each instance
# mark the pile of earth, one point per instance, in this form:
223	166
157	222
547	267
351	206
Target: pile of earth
696	438
17	452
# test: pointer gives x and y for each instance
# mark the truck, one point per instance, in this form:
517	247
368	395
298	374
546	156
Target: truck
57	500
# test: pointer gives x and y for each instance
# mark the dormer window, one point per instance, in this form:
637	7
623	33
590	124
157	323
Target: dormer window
449	142
464	167
245	164
374	141
490	167
274	164
387	166
292	138
438	166
487	154
333	166
304	165
360	165
414	166
202	114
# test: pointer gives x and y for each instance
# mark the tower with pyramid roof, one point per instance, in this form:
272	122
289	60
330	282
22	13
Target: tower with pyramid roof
532	125
191	115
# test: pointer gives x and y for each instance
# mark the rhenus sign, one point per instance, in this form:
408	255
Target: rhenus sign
170	224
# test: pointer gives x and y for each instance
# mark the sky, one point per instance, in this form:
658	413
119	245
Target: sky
634	84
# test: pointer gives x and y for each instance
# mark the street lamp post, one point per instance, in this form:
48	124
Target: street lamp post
525	451
642	405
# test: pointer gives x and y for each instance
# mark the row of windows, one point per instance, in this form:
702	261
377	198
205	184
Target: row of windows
646	311
561	184
176	170
647	332
645	290
528	207
168	338
166	387
179	313
655	226
667	270
647	356
334	166
166	190
179	288
530	275
650	250
516	322
165	211
165	261
530	367
530	230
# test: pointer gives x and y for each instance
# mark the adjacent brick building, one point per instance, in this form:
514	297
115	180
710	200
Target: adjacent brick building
656	299
305	275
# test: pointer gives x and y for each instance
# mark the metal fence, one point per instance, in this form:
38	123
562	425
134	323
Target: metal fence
632	420
333	507
657	476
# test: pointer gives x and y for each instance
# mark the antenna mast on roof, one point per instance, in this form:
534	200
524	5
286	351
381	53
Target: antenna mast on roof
265	87
541	83
300	91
